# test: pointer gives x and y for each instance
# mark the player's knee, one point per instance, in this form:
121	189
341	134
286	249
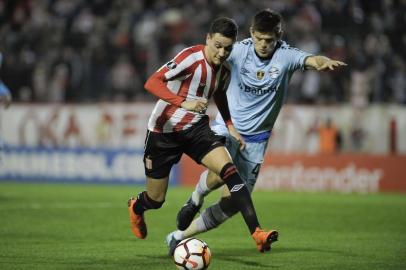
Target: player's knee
213	180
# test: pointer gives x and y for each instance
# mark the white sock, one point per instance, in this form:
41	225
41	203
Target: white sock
178	235
213	217
201	189
196	227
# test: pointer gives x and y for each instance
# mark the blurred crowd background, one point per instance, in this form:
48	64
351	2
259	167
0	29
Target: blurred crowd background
101	50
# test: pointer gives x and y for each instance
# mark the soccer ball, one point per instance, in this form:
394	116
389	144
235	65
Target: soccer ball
192	254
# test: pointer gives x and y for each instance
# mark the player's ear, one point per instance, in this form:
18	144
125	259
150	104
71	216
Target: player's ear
208	37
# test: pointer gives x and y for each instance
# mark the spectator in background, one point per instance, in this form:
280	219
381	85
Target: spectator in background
148	31
397	81
330	138
124	80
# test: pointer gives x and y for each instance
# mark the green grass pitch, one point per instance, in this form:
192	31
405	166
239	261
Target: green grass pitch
59	226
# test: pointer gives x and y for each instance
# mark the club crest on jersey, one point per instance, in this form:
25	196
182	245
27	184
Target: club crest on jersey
274	72
260	74
171	65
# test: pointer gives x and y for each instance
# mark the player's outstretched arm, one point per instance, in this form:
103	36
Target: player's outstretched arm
322	63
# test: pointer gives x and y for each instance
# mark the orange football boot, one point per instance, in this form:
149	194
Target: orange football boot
264	239
138	226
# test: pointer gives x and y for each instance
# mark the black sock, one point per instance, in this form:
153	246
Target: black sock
144	202
240	195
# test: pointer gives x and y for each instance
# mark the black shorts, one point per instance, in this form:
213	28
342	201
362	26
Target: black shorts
163	150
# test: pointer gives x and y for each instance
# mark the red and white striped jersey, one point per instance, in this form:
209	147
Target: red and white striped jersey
186	77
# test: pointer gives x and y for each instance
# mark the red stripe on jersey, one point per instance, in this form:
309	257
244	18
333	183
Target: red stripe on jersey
184	121
203	78
164	117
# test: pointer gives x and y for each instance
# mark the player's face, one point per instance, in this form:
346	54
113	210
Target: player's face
218	48
264	43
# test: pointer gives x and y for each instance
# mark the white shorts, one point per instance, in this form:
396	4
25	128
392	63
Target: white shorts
247	161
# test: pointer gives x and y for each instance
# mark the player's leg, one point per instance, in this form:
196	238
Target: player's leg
208	181
152	198
205	147
248	163
161	152
209	219
219	161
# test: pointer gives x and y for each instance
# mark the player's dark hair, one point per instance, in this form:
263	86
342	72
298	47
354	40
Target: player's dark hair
224	26
267	21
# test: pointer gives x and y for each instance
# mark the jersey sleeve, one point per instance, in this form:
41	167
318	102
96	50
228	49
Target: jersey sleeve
176	69
296	58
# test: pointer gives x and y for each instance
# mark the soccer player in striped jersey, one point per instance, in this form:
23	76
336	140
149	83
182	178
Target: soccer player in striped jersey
179	124
261	67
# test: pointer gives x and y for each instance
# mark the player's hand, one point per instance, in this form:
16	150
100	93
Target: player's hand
6	100
330	65
199	105
233	132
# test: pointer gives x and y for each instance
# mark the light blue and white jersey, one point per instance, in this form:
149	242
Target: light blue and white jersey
258	86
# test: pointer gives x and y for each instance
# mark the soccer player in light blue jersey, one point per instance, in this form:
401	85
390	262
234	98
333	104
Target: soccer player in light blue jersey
261	67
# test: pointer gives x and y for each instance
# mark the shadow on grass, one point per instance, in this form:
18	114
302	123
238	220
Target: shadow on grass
231	257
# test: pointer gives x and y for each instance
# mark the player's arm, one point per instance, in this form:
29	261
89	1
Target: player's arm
157	85
220	99
174	70
320	63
